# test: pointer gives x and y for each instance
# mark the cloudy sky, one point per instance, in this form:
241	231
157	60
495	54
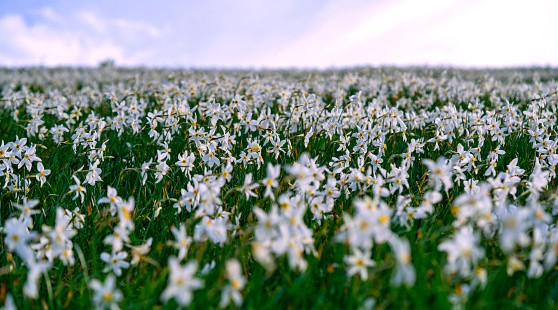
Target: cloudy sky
286	33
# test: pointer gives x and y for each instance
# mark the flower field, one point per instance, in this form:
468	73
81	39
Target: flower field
366	188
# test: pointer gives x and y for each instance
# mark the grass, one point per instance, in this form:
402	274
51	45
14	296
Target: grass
324	285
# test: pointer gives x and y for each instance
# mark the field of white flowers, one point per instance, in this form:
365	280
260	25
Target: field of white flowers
363	188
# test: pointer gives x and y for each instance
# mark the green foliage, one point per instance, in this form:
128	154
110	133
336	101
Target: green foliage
324	285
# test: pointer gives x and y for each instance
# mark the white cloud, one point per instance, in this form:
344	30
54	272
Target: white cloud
50	15
454	32
138	27
502	33
397	14
82	38
347	35
252	33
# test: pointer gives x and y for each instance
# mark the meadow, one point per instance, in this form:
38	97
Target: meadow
357	188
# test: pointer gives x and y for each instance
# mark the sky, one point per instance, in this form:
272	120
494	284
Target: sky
279	34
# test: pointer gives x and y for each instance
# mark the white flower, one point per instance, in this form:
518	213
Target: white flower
78	189
67	257
213	229
115	262
440	173
186	162
28	158
211	159
182	282
514	223
17	237
270	181
404	272
27	210
463	251
182	242
226	172
125	210
106	295
207	268
162	170
9	303
398	178
94	174
429	199
31	286
267	222
249	186
112	198
538	179
141	250
277	147
471	186
118	238
236	284
359	263
75	218
61	233
144	168
41	176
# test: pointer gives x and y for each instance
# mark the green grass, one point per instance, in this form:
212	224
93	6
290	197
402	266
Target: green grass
323	285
